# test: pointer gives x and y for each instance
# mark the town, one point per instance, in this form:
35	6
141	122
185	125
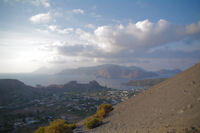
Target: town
70	106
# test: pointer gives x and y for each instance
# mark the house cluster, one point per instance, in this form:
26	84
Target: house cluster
70	103
24	122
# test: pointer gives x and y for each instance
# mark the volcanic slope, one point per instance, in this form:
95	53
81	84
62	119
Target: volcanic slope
169	107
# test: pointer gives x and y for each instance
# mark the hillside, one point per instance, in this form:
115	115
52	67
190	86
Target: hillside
110	71
74	86
15	91
171	106
23	107
168	72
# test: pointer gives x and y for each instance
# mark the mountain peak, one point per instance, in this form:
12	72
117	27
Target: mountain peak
111	71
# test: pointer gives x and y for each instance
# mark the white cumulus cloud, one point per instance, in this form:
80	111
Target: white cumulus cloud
65	31
54	28
78	11
41	18
138	36
143	40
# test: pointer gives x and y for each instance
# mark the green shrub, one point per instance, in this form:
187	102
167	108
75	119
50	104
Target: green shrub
96	119
57	126
93	122
103	110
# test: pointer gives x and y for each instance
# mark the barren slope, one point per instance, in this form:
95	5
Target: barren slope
169	106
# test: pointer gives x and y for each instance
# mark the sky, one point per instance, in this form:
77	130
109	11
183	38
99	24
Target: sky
60	34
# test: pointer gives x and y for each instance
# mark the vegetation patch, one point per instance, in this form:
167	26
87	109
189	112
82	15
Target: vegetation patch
57	126
103	110
93	122
96	120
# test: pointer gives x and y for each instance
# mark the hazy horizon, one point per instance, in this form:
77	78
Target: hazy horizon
50	71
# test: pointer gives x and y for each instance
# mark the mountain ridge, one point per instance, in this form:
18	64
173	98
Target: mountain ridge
13	90
112	71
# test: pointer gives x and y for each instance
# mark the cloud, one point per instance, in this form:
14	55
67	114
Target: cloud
90	26
56	59
193	29
65	31
41	18
78	50
91	51
78	11
139	36
44	3
140	39
42	31
54	28
143	43
62	52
